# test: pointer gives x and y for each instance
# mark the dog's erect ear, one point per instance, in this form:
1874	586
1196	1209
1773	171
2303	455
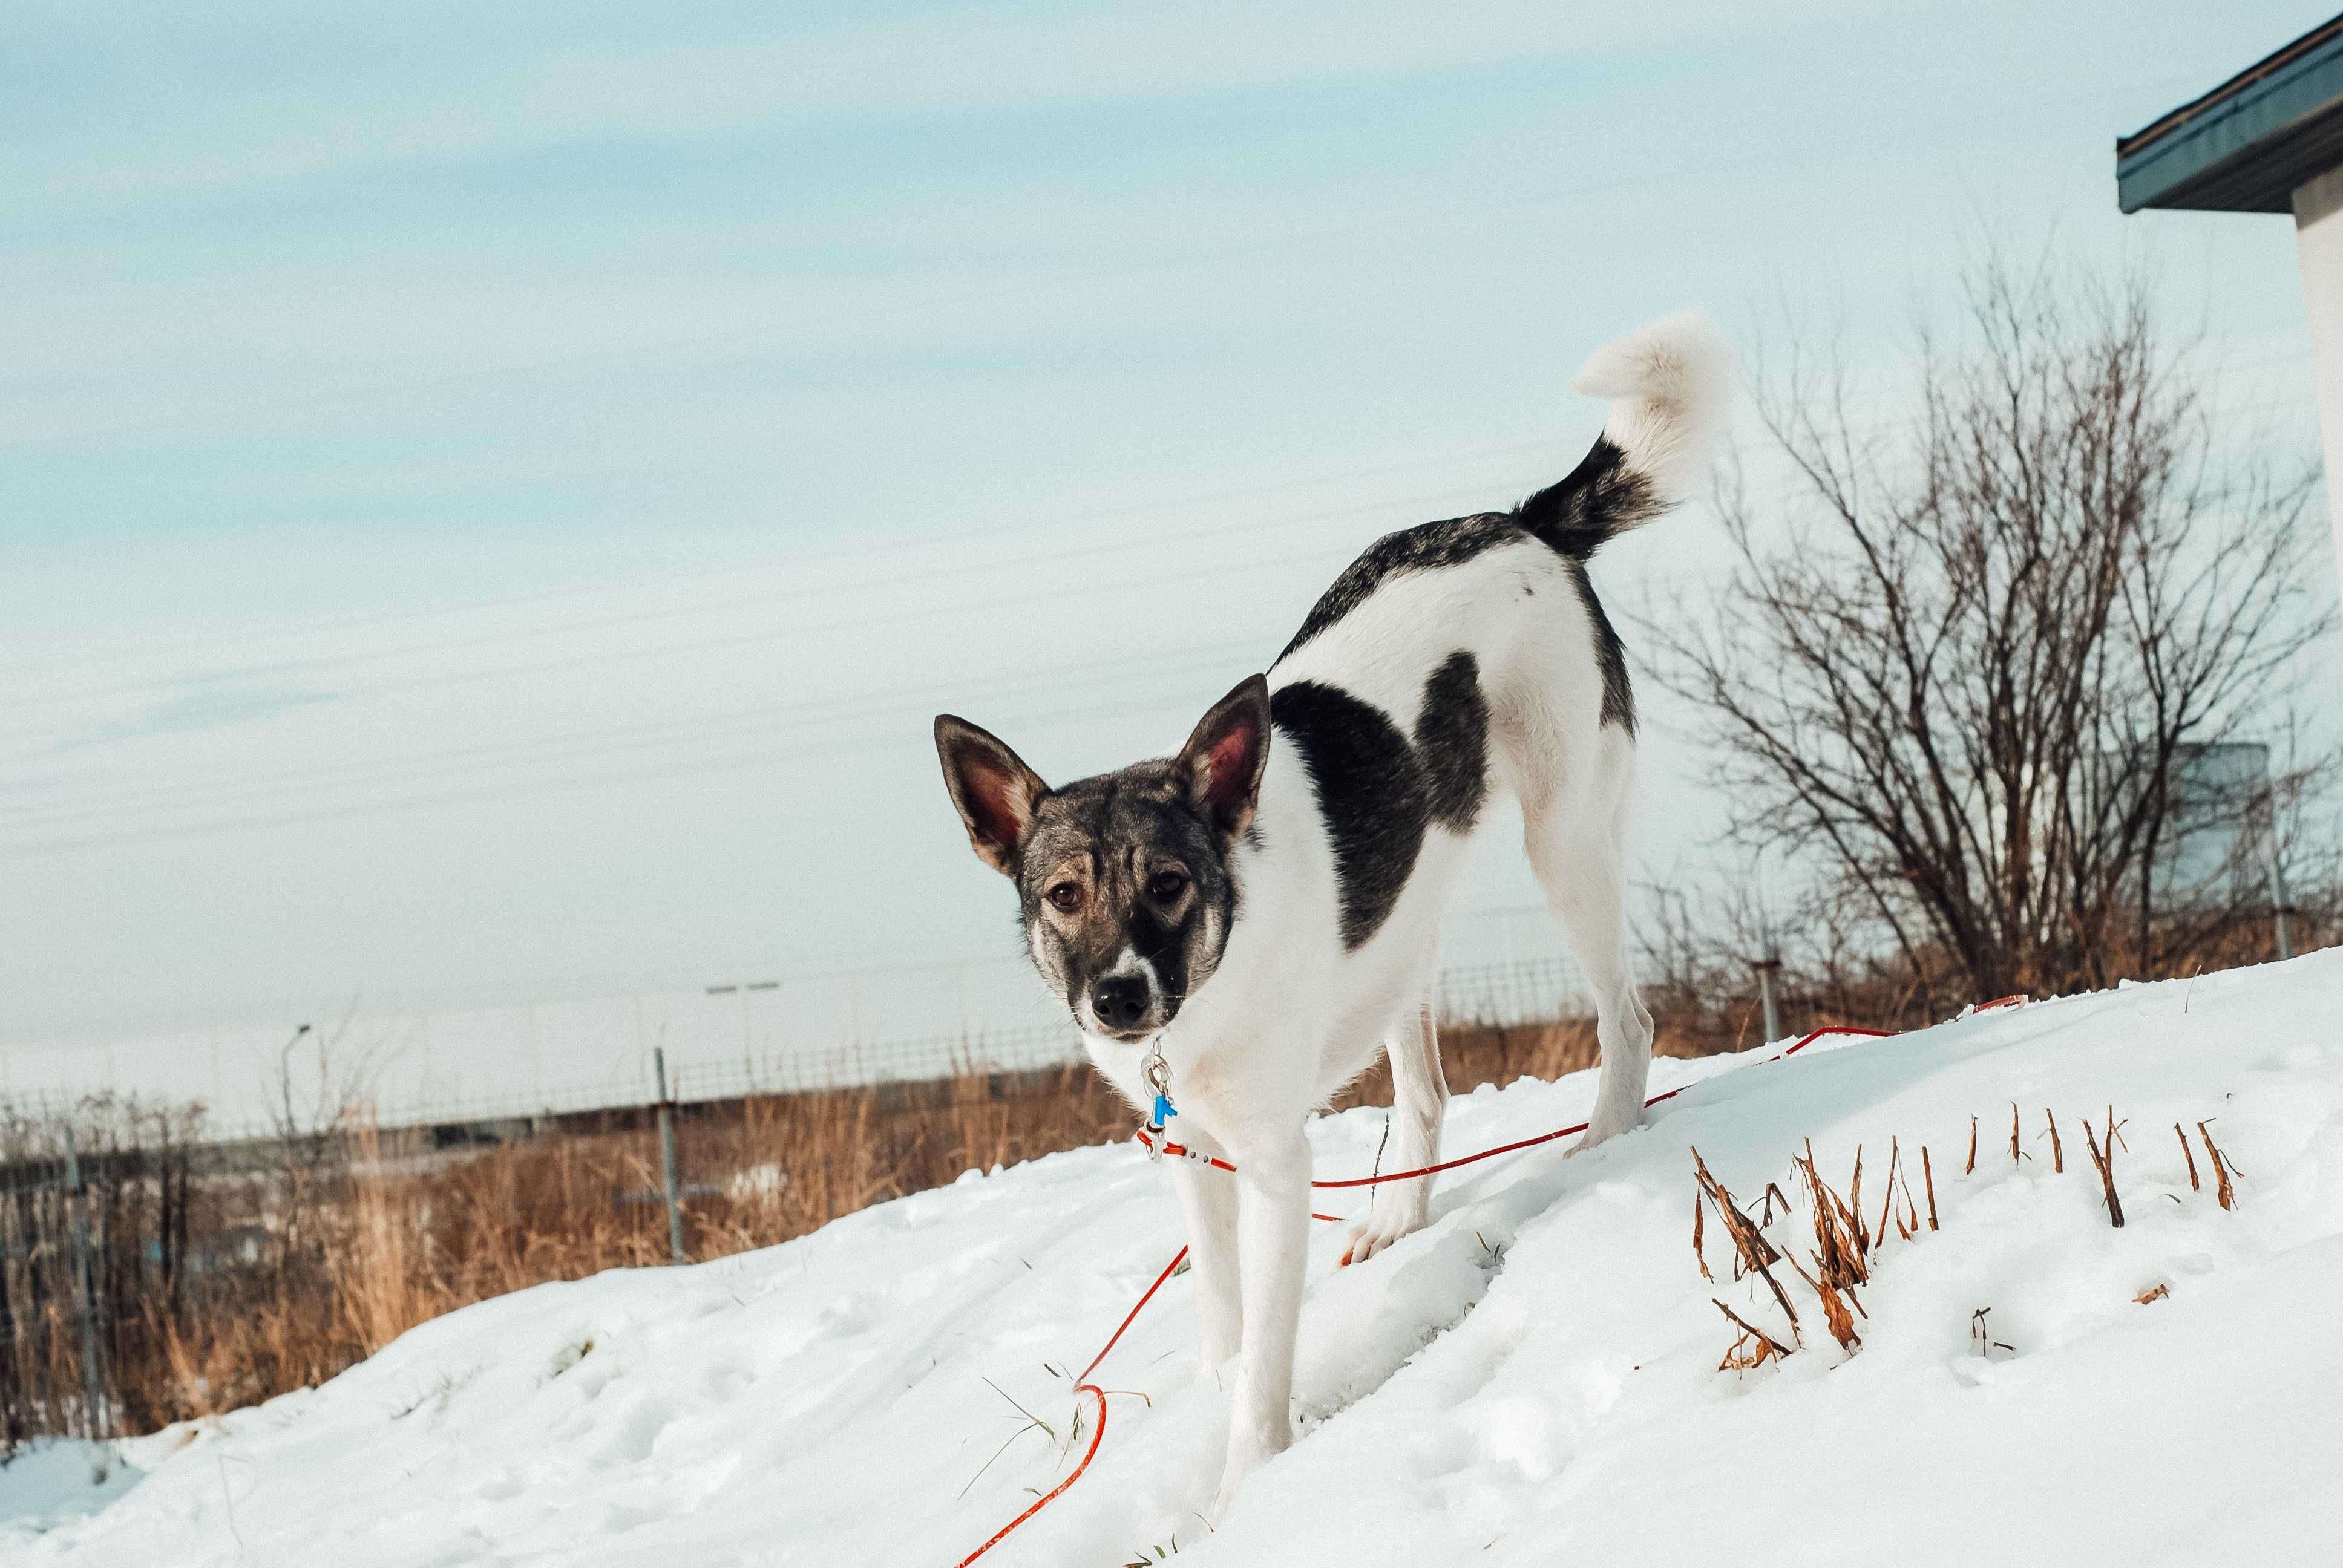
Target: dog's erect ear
995	791
1224	758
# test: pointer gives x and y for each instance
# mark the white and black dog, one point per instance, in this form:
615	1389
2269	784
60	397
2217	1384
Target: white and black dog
1264	907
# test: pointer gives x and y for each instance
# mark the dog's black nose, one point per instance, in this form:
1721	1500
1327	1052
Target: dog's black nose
1120	1000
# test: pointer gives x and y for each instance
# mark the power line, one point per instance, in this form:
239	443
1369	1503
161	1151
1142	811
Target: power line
589	746
917	612
1059	551
760	758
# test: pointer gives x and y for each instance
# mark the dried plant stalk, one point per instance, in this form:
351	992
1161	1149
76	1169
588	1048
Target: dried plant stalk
1840	1260
2106	1162
2194	1185
1735	1358
1853	1208
1928	1178
2058	1155
1699	1215
1973	1132
2225	1194
1755	1251
1834	1308
1895	1158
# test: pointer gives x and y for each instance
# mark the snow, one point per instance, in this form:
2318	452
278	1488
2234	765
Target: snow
1533	1378
53	1479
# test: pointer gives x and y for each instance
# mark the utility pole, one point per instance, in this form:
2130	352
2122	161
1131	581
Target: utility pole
667	1155
93	1376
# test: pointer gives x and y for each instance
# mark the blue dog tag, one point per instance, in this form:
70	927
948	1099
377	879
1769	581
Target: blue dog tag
1163	1111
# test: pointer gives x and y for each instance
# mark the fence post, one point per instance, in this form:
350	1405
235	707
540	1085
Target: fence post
84	1290
667	1155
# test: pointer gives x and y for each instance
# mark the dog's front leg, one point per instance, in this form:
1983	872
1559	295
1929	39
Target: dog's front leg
1208	1200
1273	1240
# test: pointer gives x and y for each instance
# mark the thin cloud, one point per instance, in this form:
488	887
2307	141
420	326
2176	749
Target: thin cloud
212	705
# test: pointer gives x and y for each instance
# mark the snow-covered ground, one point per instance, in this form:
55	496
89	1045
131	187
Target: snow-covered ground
1533	1380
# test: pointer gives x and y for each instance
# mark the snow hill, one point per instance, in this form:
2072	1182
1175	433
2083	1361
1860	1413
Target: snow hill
1533	1379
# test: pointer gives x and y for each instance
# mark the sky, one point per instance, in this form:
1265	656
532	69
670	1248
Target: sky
491	498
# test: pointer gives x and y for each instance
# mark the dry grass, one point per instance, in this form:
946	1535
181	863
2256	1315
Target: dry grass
227	1286
1845	1252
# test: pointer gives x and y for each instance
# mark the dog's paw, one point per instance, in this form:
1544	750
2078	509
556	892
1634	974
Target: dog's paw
1248	1449
1601	1131
1379	1230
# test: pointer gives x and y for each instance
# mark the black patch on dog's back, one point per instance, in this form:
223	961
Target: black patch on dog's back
1376	792
1427	547
1574	517
1370	792
1452	742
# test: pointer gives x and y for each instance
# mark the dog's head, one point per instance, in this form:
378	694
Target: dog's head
1123	879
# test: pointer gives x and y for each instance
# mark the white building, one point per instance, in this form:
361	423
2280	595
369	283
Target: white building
2270	140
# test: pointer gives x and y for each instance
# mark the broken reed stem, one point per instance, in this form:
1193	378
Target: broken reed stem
1928	1178
1767	1349
1834	1312
1838	1257
2016	1154
2225	1194
2058	1155
2106	1162
1895	1158
2194	1185
1755	1251
1853	1208
1973	1132
1699	1217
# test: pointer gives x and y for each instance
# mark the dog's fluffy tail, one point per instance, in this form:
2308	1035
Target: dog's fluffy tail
1665	381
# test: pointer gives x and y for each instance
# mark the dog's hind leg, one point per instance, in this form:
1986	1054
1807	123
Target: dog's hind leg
1208	1200
1579	856
1419	1104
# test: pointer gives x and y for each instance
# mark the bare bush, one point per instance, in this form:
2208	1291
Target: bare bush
1983	684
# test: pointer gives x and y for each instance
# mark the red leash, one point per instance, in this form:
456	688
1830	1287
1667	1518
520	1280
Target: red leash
1098	1427
1098	1394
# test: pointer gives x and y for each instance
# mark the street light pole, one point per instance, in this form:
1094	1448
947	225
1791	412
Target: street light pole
285	1078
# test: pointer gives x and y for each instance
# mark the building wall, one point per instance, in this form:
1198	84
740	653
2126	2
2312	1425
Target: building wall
2318	235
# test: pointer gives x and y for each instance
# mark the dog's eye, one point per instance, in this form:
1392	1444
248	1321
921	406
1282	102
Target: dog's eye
1067	897
1167	885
